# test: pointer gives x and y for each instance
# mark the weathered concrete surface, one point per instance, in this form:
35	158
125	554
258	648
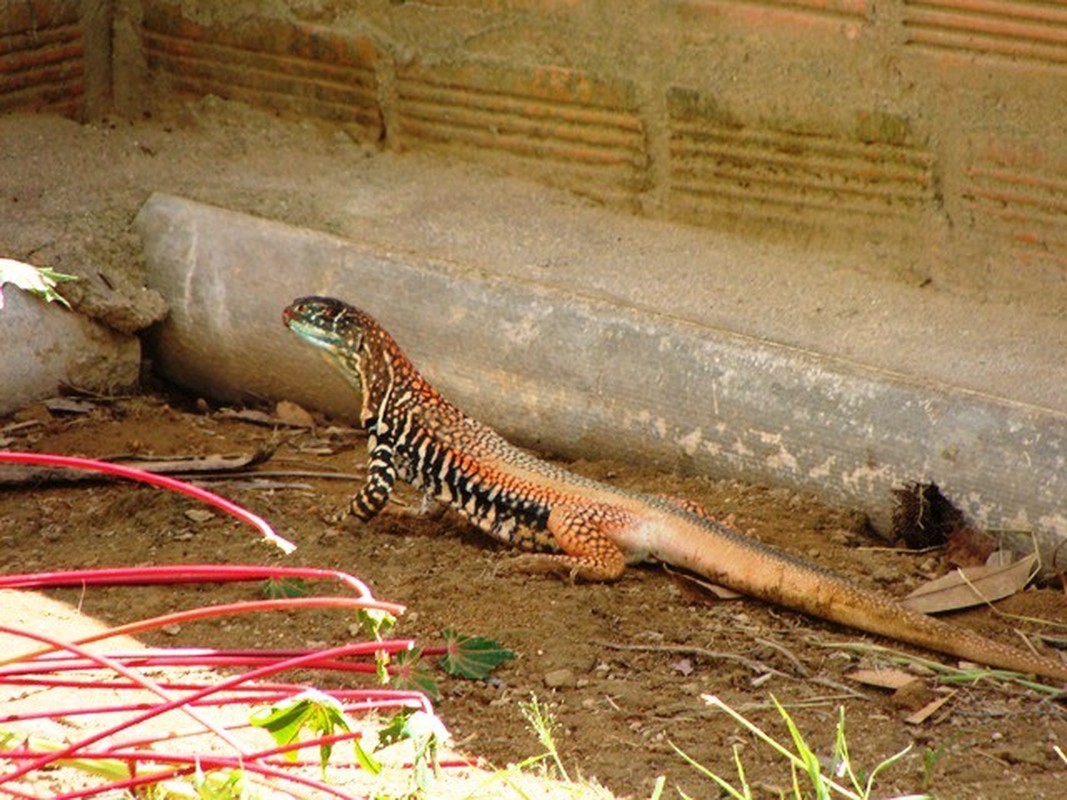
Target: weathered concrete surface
44	345
582	376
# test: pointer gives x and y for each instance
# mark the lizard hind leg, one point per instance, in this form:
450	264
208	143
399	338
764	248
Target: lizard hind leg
583	533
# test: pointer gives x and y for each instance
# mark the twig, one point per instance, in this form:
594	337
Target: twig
281	473
804	671
687	650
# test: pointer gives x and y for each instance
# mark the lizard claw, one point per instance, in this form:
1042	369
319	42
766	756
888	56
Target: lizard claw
567	567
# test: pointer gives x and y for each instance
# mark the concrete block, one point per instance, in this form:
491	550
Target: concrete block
45	346
583	377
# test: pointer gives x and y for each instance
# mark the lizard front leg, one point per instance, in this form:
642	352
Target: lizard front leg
583	533
381	478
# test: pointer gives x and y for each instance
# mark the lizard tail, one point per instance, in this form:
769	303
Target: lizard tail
753	568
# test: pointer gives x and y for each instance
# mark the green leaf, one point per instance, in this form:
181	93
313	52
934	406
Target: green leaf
396	729
40	281
283	723
280	588
311	709
375	621
409	671
221	785
366	760
472	657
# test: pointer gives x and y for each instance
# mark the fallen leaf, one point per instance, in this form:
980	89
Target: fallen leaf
180	465
928	710
882	678
971	586
683	666
700	589
70	405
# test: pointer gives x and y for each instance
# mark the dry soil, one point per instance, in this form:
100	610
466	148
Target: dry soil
623	666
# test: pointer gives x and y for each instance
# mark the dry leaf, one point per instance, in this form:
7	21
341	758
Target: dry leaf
928	710
181	465
683	666
882	678
700	589
971	586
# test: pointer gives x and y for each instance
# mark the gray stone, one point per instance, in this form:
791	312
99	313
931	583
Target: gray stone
45	345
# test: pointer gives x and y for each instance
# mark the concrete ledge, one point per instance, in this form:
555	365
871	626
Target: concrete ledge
581	376
45	345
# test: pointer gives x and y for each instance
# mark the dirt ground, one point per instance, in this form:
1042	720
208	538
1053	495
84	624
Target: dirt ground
627	663
623	666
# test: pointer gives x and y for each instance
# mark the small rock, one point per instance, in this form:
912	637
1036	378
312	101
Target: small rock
292	414
563	678
172	630
912	695
929	566
883	573
199	515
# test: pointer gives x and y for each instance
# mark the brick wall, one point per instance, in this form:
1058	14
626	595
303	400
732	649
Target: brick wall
935	130
42	57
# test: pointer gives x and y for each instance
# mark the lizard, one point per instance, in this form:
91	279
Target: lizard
575	525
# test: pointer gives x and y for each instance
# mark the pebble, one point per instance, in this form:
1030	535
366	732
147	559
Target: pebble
883	573
563	678
293	414
929	566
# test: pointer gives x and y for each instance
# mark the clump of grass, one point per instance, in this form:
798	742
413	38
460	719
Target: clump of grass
523	778
809	777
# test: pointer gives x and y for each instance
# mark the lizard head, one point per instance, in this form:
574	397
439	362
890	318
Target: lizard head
353	342
331	324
